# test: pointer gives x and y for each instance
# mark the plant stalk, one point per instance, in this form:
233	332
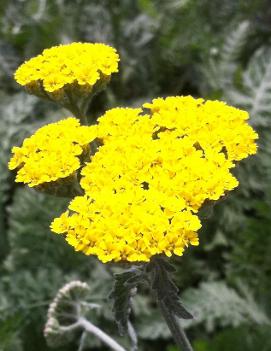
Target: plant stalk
72	106
91	328
177	332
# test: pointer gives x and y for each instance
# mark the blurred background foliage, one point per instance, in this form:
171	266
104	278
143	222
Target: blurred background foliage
218	49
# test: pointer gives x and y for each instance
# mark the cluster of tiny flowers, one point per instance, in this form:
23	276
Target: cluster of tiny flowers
153	172
80	63
51	153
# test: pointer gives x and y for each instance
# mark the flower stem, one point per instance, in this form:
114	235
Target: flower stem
91	328
77	113
178	333
72	106
166	293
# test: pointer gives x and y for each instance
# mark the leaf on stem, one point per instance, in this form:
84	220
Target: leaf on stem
124	288
165	289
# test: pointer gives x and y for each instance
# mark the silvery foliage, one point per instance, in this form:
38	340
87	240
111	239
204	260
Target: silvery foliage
223	61
215	303
255	92
212	304
70	313
67	306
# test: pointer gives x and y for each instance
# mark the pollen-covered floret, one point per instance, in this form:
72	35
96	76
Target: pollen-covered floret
151	175
52	152
83	64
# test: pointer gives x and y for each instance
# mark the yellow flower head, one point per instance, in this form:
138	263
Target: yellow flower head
51	153
79	64
151	175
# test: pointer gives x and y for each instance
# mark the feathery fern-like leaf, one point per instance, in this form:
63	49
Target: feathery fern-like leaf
234	42
220	70
256	93
215	303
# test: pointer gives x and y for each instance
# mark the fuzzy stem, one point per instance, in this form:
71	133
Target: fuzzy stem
90	328
178	333
133	336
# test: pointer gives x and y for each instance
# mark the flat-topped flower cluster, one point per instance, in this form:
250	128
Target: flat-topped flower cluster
52	152
70	67
151	171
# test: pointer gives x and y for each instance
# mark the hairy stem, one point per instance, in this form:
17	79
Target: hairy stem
133	336
90	328
178	333
166	294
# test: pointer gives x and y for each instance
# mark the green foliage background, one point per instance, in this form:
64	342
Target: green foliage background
215	49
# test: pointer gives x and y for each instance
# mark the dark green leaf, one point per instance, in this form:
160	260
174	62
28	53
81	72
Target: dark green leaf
124	287
165	289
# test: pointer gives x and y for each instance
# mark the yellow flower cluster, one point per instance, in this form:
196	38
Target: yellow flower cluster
82	64
145	184
51	153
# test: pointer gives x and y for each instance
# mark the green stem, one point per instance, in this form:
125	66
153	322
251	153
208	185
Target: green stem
86	104
76	110
166	294
178	333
